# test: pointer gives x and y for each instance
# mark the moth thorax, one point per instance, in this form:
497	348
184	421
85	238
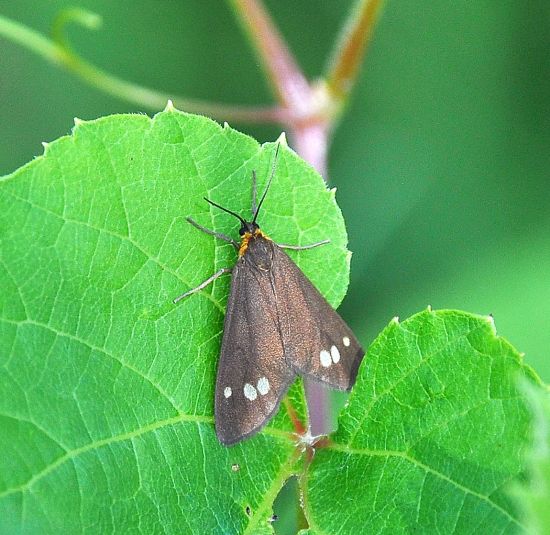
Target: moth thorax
247	236
258	251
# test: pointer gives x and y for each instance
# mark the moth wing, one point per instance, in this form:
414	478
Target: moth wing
253	375
317	341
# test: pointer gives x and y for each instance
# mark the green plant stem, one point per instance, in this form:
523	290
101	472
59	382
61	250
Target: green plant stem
60	55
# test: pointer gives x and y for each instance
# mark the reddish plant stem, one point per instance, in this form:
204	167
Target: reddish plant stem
351	46
283	72
311	142
308	131
299	427
312	110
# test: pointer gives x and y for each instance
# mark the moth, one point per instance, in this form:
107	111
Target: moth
277	326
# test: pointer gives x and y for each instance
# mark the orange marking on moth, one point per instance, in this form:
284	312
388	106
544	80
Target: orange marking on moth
244	243
247	236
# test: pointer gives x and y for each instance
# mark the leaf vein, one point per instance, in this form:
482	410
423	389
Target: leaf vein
121	237
423	360
403	455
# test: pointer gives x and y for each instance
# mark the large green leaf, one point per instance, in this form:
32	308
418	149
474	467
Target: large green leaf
432	437
106	387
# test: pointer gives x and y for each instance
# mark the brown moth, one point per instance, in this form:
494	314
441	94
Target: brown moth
277	326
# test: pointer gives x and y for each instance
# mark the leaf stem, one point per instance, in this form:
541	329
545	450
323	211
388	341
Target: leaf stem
286	78
313	109
60	54
347	55
309	135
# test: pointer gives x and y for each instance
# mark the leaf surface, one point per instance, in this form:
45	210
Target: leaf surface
106	387
433	435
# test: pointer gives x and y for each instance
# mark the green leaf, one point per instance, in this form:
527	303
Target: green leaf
432	436
534	495
106	387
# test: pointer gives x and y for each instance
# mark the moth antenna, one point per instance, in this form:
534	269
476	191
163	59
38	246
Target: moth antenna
254	191
243	222
273	167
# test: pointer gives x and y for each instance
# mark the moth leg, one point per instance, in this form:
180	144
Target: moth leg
202	285
302	247
254	193
218	235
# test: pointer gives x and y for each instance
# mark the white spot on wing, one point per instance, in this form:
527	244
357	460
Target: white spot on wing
227	392
346	341
250	392
335	354
325	358
263	386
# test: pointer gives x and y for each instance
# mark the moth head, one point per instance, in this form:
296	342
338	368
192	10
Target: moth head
248	226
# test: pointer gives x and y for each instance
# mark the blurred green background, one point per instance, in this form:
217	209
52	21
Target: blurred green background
441	160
